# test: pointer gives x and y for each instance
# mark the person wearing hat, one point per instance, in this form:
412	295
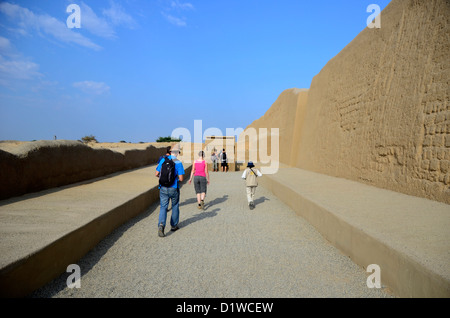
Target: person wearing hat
250	174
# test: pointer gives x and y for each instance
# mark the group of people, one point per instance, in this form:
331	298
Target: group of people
170	172
222	158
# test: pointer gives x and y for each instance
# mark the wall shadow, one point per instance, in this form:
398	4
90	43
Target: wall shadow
37	194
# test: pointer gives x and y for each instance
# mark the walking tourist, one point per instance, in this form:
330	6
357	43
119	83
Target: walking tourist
170	172
224	160
214	160
250	174
167	154
201	178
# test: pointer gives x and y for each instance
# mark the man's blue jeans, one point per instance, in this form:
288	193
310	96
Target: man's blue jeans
166	194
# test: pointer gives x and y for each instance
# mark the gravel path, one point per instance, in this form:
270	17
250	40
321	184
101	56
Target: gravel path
226	250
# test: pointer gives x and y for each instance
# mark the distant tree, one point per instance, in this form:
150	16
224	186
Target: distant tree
167	139
87	139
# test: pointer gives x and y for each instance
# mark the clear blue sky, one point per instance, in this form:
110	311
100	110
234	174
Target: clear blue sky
137	69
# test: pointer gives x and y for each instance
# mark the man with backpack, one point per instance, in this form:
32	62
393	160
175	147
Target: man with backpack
170	172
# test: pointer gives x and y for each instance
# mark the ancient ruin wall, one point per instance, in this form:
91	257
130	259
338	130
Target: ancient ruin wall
286	113
379	111
41	165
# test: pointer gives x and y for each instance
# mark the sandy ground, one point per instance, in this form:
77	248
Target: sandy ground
11	145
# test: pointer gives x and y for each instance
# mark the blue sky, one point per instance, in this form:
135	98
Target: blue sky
138	69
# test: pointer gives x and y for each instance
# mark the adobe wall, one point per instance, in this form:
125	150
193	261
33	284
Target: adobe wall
40	165
379	111
286	113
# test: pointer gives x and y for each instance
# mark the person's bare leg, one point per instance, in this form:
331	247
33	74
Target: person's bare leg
203	195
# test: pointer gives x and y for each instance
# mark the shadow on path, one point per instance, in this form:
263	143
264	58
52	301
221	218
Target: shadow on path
188	201
208	204
261	200
216	201
199	217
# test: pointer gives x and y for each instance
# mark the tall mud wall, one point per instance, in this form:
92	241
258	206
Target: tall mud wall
379	111
41	165
286	113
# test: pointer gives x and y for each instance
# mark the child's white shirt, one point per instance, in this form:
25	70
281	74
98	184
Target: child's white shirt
258	173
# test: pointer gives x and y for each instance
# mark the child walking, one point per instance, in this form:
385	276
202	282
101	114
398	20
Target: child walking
250	174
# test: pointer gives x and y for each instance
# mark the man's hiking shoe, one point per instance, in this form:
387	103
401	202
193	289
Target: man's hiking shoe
161	230
200	206
174	228
203	205
251	205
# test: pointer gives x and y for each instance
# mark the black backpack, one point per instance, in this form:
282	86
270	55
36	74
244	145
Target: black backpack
167	174
224	156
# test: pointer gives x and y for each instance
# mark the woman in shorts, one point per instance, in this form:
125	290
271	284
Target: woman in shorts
201	179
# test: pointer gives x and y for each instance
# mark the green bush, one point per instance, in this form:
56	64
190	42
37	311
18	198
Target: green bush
87	139
167	139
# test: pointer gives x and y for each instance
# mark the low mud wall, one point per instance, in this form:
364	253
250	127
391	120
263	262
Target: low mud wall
41	165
